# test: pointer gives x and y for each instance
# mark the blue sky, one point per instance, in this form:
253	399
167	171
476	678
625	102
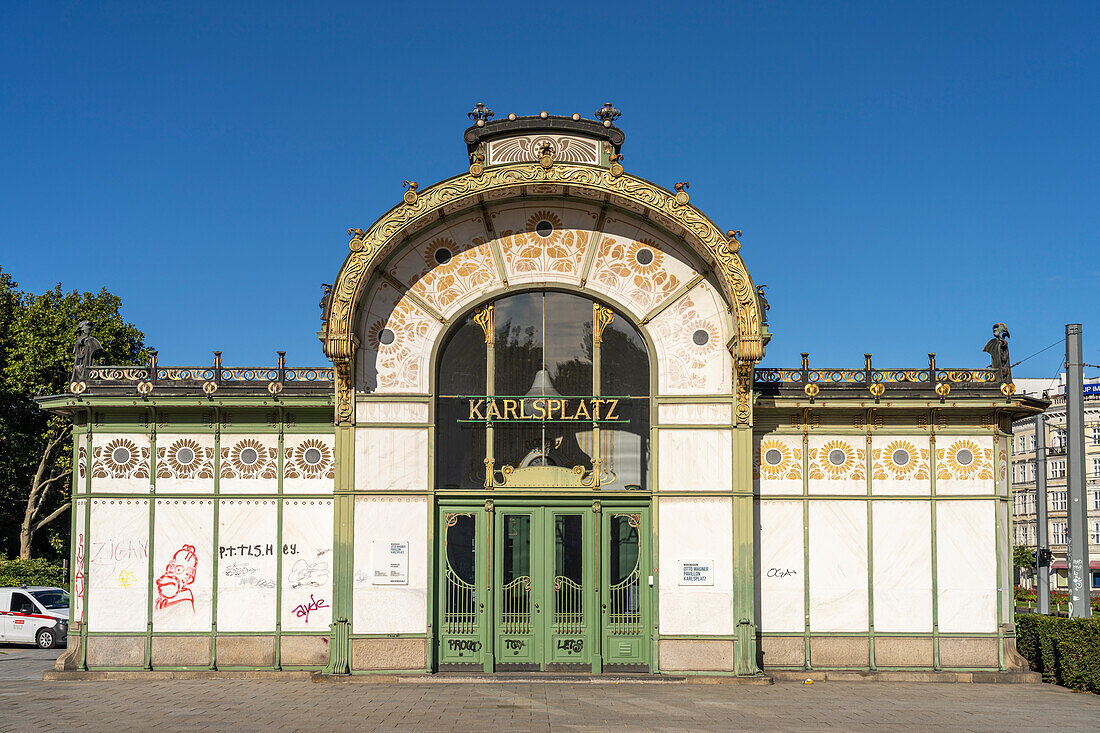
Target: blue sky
905	175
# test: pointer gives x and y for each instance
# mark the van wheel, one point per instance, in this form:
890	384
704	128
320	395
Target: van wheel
46	639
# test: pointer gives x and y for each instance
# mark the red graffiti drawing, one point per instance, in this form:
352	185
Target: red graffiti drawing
78	579
174	586
303	610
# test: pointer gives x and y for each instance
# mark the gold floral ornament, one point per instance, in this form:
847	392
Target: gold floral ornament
900	460
777	460
545	246
120	458
964	459
454	270
249	459
185	459
634	267
837	459
312	459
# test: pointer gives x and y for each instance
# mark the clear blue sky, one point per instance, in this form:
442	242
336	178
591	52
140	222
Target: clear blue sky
905	174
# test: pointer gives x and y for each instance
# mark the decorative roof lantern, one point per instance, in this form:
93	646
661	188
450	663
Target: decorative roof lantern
544	138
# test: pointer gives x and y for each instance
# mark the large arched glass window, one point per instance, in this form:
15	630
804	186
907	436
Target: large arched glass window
543	380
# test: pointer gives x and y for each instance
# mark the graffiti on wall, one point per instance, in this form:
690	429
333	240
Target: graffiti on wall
174	585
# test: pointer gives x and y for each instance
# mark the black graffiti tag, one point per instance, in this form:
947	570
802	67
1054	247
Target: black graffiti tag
514	645
571	646
780	572
464	645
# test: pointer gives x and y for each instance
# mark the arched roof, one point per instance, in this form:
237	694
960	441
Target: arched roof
418	209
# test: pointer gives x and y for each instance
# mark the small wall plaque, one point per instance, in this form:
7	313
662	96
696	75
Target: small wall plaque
696	572
391	562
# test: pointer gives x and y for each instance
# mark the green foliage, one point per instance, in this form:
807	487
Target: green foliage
36	571
1023	556
1058	598
1065	650
36	338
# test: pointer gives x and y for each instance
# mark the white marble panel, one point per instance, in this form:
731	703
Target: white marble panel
183	564
309	463
79	577
449	267
690	337
185	463
782	579
390	609
248	556
389	412
967	563
1003	456
396	337
636	266
695	413
838	565
902	546
694	530
900	465
777	466
837	464
1006	562
120	463
531	257
964	465
117	591
391	458
307	565
249	464
694	460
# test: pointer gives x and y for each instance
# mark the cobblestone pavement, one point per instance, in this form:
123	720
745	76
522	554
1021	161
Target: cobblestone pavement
28	704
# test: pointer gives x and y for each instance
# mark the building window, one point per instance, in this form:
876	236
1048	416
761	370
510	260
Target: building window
1057	501
1096	434
1057	469
1094	533
1096	465
1096	578
1094	499
1058	534
551	378
1031	534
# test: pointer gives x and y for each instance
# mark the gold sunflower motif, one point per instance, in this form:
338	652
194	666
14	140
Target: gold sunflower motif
900	459
702	337
249	459
544	217
383	339
184	458
643	256
963	459
774	460
311	458
440	253
836	458
120	458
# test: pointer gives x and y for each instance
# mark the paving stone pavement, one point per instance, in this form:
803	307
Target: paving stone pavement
28	704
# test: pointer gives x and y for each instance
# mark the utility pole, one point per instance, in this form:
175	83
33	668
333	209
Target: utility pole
1079	600
1042	541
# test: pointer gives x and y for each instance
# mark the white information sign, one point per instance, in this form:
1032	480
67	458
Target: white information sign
696	572
391	563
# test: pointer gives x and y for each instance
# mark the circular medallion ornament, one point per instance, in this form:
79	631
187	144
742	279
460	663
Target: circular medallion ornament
900	457
1008	389
544	228
121	455
185	456
943	389
700	337
443	255
477	170
249	456
837	457
964	457
386	337
311	456
877	389
811	390
274	387
773	457
209	387
643	256
144	388
616	170
77	387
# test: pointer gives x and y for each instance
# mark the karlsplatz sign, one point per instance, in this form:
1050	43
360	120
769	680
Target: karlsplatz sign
544	409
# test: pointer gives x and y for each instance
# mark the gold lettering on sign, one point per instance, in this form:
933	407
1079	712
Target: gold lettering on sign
492	413
542	408
510	409
582	407
475	410
611	413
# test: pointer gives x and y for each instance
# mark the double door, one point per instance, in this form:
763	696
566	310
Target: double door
544	588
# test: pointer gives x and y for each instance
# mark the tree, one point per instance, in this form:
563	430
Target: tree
1023	557
36	338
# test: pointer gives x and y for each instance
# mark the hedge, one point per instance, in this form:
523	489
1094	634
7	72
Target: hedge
36	571
1065	650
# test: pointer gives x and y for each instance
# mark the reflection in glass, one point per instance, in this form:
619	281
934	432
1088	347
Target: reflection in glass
568	574
459	603
515	589
624	615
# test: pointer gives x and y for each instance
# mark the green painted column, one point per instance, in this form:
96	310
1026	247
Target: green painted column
744	553
343	561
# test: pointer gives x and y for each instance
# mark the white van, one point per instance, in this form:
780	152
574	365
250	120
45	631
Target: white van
35	614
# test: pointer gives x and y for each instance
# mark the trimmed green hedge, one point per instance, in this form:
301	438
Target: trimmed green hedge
36	571
1065	650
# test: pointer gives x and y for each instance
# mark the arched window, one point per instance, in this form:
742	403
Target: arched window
543	379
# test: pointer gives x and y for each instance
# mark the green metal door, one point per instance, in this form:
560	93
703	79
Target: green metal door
462	617
570	570
625	590
518	583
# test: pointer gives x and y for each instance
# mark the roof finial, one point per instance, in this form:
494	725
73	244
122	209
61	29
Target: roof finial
480	114
608	114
